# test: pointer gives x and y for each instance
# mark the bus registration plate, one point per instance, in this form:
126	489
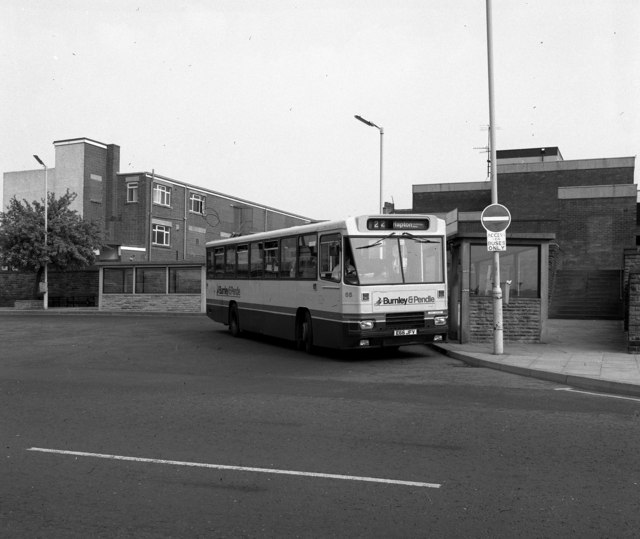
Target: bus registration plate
400	332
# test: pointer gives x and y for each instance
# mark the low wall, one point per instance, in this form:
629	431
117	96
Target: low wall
28	304
633	313
177	303
520	320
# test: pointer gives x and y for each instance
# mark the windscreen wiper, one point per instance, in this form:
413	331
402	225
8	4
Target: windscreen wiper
419	240
377	242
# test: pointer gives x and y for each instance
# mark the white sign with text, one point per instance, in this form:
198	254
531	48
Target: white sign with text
497	241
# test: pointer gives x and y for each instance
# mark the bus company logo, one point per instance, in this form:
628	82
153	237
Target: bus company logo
384	301
228	291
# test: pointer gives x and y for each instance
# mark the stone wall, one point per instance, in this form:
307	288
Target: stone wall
177	303
521	320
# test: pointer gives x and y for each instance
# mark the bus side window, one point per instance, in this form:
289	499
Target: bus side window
330	257
288	258
307	256
271	262
230	262
257	261
218	262
243	261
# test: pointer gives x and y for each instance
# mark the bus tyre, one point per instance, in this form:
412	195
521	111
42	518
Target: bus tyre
234	321
305	334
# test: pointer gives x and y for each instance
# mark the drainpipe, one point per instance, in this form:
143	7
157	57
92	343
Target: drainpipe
184	232
153	178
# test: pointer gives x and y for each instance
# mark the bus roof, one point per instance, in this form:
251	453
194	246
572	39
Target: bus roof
414	223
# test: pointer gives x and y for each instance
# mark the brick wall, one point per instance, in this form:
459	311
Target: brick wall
594	232
444	201
15	286
521	320
631	265
179	303
534	195
633	313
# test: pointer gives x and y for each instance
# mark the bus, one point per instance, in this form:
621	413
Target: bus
371	281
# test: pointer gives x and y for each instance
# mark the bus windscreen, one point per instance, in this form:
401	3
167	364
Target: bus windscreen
397	259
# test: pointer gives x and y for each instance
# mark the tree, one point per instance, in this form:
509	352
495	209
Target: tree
71	240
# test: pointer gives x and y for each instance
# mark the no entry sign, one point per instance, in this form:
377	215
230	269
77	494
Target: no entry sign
495	218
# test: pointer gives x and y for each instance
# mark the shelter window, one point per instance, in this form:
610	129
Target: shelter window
151	281
519	270
184	280
117	281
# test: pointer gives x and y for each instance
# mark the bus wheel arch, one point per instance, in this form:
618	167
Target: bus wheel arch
234	319
304	331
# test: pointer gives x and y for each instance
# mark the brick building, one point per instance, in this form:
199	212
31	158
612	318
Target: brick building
572	220
145	217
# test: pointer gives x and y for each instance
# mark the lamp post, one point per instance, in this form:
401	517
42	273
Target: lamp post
498	331
371	124
45	299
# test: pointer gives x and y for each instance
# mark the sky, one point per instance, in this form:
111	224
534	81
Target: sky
256	98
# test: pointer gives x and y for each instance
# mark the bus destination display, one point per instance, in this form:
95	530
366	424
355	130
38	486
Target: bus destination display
397	224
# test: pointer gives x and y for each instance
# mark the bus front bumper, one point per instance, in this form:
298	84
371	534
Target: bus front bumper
381	336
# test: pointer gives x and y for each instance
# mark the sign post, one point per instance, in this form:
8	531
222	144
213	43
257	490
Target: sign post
495	219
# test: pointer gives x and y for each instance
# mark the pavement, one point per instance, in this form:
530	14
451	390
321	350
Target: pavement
585	354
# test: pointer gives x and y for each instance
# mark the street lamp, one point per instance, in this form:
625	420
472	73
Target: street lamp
371	124
45	298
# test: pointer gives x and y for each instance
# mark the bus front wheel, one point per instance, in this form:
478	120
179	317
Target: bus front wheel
305	333
234	321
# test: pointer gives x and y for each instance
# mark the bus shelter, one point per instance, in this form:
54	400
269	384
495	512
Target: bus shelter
152	286
524	279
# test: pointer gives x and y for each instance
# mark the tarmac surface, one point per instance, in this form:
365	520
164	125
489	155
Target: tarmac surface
585	354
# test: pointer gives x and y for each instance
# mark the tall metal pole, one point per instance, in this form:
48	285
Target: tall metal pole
381	129
381	196
497	291
45	296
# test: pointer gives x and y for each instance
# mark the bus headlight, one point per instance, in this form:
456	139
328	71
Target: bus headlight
440	320
367	324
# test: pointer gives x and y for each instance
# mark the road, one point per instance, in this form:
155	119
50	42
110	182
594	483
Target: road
166	426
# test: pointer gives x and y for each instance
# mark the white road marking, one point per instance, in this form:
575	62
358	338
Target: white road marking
237	468
596	394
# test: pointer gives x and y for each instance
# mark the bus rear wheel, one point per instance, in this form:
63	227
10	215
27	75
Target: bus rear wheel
305	333
234	321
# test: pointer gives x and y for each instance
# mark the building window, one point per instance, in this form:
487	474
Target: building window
161	235
161	195
132	192
196	203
